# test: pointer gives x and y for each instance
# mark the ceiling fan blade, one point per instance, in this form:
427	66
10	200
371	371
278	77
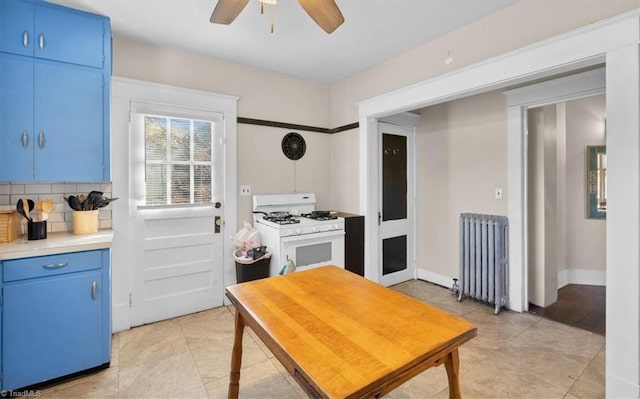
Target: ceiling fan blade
227	10
325	12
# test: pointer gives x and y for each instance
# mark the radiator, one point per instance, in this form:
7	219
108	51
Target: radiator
483	259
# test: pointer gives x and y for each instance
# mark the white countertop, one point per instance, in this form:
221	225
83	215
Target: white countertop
55	243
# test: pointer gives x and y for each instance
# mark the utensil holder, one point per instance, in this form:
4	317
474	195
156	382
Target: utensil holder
84	222
37	230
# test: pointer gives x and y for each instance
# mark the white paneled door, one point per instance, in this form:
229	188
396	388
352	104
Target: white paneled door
395	216
177	188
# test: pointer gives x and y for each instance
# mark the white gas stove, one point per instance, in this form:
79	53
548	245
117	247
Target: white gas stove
292	229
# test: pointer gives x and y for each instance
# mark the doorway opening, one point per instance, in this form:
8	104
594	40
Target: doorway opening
566	234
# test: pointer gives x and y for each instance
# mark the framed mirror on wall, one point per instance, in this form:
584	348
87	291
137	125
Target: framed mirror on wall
596	182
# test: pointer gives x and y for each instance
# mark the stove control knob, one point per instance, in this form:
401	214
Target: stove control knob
289	232
297	231
315	229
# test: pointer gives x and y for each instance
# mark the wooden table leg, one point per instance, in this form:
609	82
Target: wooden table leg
452	364
236	358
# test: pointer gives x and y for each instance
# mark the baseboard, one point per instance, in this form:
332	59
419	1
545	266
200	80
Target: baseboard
435	278
120	320
582	277
563	278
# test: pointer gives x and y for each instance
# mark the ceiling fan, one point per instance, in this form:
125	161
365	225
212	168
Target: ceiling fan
324	12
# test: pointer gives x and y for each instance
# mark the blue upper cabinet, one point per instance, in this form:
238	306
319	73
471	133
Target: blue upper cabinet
43	30
17	27
69	36
55	71
66	126
16	118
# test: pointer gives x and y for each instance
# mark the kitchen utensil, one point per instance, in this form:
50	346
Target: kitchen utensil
45	205
74	203
104	201
92	200
24	207
43	208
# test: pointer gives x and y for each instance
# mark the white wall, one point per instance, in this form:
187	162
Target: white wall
526	22
344	156
561	194
461	160
262	164
543	215
586	238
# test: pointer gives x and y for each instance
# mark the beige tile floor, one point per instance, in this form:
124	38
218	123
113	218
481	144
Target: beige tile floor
514	356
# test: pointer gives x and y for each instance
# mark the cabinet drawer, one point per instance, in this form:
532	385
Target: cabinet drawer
41	266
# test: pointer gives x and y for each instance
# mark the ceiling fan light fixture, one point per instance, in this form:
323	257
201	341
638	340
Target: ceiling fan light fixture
325	13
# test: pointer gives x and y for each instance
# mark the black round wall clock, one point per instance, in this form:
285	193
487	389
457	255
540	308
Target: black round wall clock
293	146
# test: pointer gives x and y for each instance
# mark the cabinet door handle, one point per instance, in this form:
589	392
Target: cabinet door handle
41	141
94	290
25	39
25	139
41	41
55	265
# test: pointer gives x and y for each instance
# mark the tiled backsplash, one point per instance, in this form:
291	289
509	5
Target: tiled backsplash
60	218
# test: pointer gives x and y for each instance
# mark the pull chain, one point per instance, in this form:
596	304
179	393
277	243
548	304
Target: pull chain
272	19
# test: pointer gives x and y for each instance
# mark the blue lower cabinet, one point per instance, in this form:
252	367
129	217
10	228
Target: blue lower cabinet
55	323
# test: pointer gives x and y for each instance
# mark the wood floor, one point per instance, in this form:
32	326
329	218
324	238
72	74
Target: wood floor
581	306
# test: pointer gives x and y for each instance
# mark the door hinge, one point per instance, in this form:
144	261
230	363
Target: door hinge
1	301
130	300
379	218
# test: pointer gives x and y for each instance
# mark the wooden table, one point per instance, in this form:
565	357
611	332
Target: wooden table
342	336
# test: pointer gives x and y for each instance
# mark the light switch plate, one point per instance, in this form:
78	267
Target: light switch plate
245	191
498	193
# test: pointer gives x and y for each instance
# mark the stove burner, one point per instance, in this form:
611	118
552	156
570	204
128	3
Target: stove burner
288	219
319	215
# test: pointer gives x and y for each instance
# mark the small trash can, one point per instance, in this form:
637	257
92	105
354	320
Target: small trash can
249	269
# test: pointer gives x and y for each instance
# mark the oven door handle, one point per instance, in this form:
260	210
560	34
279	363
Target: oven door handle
313	236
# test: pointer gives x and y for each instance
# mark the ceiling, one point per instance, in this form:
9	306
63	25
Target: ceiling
374	31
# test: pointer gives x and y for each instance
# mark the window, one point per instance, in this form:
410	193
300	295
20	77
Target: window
178	160
177	153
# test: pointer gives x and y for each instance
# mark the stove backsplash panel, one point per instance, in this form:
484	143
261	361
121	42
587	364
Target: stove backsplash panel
60	218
